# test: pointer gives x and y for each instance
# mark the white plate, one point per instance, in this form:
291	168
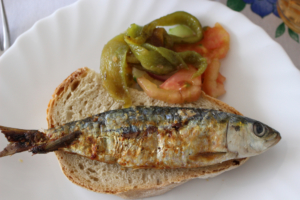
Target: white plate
262	83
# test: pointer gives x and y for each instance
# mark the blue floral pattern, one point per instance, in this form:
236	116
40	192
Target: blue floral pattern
263	7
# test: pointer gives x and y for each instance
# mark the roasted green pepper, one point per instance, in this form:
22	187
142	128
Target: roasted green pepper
142	34
148	48
114	72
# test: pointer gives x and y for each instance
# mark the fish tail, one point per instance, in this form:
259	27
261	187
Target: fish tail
33	140
20	140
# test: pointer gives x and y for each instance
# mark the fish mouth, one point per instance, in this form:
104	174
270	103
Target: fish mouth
274	140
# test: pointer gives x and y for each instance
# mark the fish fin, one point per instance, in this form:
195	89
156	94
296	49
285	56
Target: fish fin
22	135
21	140
56	144
207	156
13	148
33	141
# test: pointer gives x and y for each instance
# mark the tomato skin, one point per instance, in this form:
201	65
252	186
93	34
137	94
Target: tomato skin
190	94
178	89
215	43
170	96
213	46
221	79
181	79
213	80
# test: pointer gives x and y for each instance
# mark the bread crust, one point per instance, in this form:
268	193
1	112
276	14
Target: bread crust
69	162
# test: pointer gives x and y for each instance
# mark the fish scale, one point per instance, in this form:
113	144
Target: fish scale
151	137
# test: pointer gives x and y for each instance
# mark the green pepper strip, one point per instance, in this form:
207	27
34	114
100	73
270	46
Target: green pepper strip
160	60
172	57
152	61
180	59
195	59
113	69
179	17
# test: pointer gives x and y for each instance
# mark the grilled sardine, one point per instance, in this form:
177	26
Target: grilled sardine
151	137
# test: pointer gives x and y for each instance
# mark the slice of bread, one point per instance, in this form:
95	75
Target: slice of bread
82	95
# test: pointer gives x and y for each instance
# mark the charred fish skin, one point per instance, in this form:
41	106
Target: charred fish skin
143	137
159	137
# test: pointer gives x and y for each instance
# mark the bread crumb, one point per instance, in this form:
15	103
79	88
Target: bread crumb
207	179
20	160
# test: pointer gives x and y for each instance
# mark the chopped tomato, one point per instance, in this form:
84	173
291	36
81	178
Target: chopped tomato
153	91
179	88
221	78
213	80
215	43
180	79
213	46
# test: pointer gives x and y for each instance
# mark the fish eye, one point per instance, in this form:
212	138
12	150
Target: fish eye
259	129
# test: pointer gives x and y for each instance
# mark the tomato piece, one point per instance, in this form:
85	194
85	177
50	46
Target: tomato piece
170	96
213	46
213	80
179	88
215	43
190	94
221	78
181	79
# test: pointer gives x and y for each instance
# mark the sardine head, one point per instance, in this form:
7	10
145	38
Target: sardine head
248	137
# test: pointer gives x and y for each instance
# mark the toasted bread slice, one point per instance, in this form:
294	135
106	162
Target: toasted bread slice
82	95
